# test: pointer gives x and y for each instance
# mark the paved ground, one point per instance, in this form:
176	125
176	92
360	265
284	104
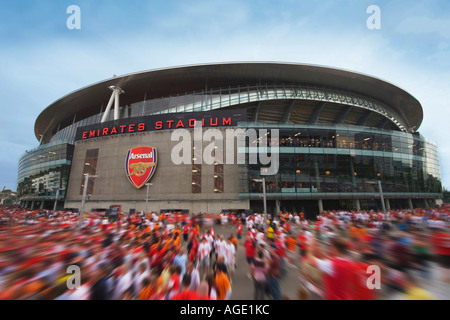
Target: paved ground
243	285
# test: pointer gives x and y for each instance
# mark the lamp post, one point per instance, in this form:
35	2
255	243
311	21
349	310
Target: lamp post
56	197
263	180
381	196
83	201
146	198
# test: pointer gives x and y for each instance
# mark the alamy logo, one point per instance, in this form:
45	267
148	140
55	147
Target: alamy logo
74	280
374	281
74	21
374	21
259	147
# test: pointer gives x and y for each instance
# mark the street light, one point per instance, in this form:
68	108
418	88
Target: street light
56	197
263	180
382	198
83	201
380	190
146	198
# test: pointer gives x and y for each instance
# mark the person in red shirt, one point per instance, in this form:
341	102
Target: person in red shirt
339	271
239	230
302	243
287	226
440	241
233	219
193	232
193	249
281	252
250	250
186	229
186	293
318	223
174	283
362	291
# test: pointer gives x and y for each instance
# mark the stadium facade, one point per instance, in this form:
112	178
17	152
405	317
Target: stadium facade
339	134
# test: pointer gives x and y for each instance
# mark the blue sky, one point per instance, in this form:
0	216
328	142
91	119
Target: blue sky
41	59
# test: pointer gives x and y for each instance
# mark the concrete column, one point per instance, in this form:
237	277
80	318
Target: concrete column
388	204
277	206
426	203
116	104
32	205
320	203
357	204
108	108
352	174
42	204
410	204
316	173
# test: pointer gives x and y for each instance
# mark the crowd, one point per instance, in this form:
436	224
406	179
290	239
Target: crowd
172	256
340	254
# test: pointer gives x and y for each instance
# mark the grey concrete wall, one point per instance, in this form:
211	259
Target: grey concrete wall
170	182
205	206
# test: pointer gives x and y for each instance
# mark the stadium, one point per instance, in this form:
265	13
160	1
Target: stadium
341	136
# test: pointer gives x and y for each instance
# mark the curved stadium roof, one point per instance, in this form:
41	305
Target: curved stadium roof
166	82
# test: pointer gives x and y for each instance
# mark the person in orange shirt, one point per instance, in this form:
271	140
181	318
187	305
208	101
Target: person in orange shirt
353	232
176	240
223	285
290	246
362	232
234	241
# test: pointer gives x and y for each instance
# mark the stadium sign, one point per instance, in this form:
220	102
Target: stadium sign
214	119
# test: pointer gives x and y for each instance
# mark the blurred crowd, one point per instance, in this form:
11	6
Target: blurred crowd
175	256
137	256
362	255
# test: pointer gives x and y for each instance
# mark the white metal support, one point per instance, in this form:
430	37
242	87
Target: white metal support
116	91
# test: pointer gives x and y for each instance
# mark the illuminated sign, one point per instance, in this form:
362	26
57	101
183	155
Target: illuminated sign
221	118
141	165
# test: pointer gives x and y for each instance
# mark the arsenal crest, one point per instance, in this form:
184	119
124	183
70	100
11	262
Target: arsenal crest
141	165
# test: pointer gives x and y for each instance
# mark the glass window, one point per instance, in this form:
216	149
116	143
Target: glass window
218	172
90	167
196	174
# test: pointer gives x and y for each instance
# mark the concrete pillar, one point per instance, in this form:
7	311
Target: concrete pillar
388	204
427	205
116	104
32	205
410	204
316	173
352	175
320	206
277	206
42	204
357	204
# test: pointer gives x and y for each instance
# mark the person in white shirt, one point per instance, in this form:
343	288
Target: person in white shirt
124	282
224	219
230	258
249	223
260	237
220	247
195	275
258	220
204	250
139	277
277	223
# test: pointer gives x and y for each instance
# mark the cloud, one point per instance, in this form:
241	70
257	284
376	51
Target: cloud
38	71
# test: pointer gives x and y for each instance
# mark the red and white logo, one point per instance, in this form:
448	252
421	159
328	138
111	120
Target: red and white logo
141	165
